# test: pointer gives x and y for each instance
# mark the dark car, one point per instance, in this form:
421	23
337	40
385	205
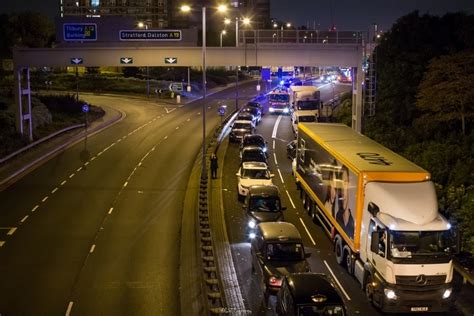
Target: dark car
254	140
262	204
239	129
247	116
255	112
254	104
276	250
291	149
253	153
308	294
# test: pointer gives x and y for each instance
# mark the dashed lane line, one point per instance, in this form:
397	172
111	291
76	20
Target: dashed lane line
281	177
307	232
291	200
24	219
92	249
111	210
337	281
275	127
2	243
35	208
44	199
275	157
11	231
71	175
69	308
54	190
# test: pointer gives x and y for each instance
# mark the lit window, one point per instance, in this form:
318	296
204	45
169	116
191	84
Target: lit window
95	3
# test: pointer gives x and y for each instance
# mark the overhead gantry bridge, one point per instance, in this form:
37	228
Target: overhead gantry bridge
255	48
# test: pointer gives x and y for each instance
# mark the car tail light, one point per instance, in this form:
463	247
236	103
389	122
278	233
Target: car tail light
274	281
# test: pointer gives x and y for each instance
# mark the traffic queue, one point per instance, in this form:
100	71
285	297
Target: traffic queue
277	252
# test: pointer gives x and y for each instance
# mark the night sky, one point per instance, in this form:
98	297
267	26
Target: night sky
347	14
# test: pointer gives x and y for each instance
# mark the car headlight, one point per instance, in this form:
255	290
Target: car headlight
286	110
271	109
264	149
252	224
252	235
390	294
447	293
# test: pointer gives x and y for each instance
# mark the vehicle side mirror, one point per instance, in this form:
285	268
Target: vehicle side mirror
271	175
237	174
374	244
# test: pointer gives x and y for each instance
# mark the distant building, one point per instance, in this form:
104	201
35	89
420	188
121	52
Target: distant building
152	13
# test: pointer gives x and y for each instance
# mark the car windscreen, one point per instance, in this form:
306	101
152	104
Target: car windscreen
254	141
254	156
264	204
279	97
287	251
255	174
323	310
308	105
241	126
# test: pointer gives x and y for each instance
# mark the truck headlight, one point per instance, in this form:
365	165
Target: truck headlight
264	149
271	109
447	293
252	224
252	235
286	110
390	294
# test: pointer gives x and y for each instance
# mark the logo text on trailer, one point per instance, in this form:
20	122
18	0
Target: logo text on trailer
375	159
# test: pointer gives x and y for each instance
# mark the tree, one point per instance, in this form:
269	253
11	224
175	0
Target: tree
446	93
30	29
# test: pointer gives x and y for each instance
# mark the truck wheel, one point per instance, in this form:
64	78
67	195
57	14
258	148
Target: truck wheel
338	250
348	260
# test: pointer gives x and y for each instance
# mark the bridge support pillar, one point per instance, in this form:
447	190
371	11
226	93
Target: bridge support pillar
23	102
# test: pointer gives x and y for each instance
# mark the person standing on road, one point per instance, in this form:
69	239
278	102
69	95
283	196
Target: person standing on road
214	166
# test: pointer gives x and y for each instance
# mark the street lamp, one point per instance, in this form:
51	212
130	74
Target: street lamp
223	32
185	9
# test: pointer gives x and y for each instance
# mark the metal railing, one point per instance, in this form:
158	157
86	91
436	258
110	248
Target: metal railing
278	36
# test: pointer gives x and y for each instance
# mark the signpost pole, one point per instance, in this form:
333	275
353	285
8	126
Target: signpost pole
77	84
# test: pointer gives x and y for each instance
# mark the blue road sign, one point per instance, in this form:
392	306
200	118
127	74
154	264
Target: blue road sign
77	61
80	32
85	108
222	110
150	35
265	73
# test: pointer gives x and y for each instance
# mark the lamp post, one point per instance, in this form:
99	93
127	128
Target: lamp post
145	26
223	32
185	9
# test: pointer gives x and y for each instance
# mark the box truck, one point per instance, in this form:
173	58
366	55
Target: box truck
381	212
305	103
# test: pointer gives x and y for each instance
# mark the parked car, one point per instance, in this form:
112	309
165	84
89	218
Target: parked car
253	153
256	112
254	140
276	250
262	204
308	294
252	173
239	129
291	149
247	116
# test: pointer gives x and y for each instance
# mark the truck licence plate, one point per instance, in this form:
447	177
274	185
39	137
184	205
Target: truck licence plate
419	309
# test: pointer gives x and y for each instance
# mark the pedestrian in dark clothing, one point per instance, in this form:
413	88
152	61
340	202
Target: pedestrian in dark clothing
214	166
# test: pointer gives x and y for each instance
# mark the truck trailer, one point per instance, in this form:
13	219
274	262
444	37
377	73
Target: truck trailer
381	212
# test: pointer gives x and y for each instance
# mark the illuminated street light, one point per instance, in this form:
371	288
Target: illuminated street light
141	25
223	32
185	8
275	25
226	21
288	25
246	21
222	8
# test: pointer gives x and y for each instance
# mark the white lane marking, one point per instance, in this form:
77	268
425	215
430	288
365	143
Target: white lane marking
273	144
71	175
188	120
92	249
275	127
64	182
100	153
275	157
69	308
54	190
337	281
140	163
93	158
111	209
307	232
35	208
281	177
198	113
169	111
24	219
2	243
78	169
11	231
44	199
119	140
291	200
177	127
166	137
124	137
125	184
86	163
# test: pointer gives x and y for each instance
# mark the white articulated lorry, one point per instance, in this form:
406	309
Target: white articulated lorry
382	214
305	102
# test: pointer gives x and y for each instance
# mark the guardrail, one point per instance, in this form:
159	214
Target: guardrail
278	36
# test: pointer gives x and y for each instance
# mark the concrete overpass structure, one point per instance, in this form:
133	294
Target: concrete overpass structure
253	51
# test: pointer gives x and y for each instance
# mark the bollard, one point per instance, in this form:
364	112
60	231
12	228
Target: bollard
178	98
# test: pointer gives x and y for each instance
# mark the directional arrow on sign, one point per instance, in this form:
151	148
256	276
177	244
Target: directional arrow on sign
126	60
77	61
171	60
